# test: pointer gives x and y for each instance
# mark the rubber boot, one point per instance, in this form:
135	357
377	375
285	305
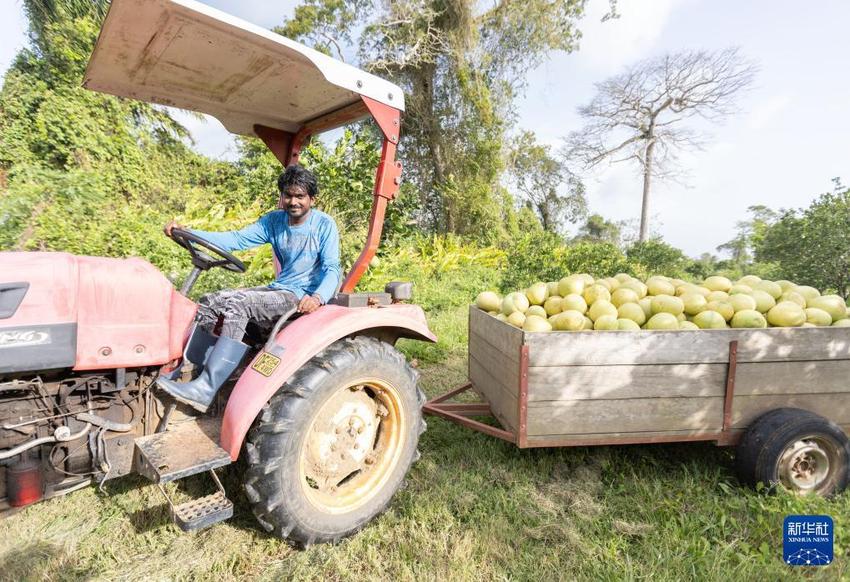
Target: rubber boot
197	350
199	393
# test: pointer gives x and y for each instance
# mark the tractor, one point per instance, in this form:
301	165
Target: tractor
325	413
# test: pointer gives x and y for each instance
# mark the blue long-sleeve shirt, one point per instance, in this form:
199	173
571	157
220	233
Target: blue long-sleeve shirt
308	253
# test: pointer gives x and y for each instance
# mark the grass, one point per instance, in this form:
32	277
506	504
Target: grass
474	508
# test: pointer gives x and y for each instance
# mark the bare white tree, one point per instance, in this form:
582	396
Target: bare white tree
639	115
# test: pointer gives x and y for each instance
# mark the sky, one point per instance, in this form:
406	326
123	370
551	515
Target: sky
782	150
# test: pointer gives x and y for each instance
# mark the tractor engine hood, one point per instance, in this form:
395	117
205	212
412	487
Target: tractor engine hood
89	313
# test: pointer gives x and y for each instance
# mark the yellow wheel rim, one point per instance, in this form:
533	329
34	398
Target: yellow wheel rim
352	446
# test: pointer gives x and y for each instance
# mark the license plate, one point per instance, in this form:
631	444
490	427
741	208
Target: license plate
266	364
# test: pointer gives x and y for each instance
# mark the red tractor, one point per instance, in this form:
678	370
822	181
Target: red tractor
326	413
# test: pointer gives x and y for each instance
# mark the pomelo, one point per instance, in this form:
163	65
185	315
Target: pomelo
536	323
740	301
764	300
613	284
588	323
786	314
646	305
748	280
627	325
807	324
807	292
748	318
537	294
571	284
606	323
682	317
636	286
632	311
622	277
693	302
601	308
817	316
709	320
536	310
717	296
502	317
786	285
717	283
841	323
595	293
724	308
658	286
688	325
791	295
773	289
516	319
662	321
738	289
573	301
488	301
667	304
569	321
552	286
515	302
623	295
553	305
832	304
588	279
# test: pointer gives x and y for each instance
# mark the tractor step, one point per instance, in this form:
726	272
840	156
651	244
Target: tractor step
185	449
202	512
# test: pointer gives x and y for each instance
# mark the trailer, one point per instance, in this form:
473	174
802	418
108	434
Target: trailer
779	395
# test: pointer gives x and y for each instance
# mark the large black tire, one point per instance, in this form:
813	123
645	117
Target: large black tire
795	448
284	501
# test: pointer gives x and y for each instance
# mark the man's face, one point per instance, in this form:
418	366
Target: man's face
296	202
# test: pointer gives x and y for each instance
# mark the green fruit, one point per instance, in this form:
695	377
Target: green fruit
571	284
688	325
488	301
841	323
553	288
667	304
807	292
627	325
622	277
694	303
773	289
682	317
536	310
646	305
588	323
515	302
786	285
516	319
709	320
717	283
596	292
739	302
786	314
717	296
493	313
738	289
749	318
662	321
537	294
749	280
588	279
657	286
632	311
600	308
536	323
611	283
553	305
832	304
623	295
573	301
807	324
764	300
569	321
817	316
606	323
791	295
724	308
691	289
636	286
502	317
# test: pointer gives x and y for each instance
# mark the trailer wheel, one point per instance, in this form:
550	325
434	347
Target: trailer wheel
798	449
331	448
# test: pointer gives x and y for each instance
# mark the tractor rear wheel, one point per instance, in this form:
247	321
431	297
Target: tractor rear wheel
331	448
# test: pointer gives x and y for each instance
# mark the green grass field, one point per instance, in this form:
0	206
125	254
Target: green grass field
474	508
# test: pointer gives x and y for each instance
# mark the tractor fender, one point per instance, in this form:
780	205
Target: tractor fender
298	342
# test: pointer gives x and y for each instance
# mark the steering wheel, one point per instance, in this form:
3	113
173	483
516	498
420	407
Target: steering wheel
201	259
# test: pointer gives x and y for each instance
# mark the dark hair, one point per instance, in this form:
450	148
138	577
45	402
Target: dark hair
296	175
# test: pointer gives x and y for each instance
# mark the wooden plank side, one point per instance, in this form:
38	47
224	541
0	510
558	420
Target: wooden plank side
502	401
804	377
506	338
615	382
684	435
687	347
835	407
627	415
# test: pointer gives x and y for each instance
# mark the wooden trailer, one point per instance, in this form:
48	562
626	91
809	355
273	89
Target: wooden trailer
735	386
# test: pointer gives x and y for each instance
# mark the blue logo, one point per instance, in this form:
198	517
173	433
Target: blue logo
807	540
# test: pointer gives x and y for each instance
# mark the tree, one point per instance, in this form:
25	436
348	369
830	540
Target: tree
812	246
750	233
658	257
539	177
461	65
640	114
597	229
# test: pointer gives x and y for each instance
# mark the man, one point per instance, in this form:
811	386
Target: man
306	244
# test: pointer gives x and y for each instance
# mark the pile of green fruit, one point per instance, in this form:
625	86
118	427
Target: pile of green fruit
580	303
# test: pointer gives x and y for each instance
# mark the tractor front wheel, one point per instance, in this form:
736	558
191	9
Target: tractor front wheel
331	448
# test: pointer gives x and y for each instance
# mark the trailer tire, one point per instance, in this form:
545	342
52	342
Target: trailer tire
798	449
312	431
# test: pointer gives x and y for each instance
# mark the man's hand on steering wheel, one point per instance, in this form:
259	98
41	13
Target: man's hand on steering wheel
205	255
172	225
